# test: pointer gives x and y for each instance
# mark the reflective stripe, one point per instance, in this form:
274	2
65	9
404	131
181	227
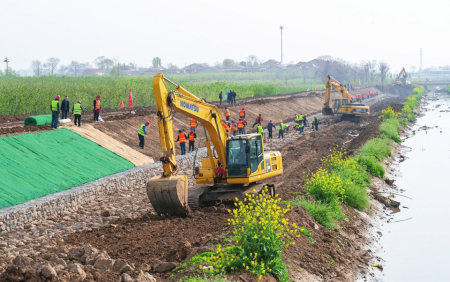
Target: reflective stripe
260	129
233	127
182	138
241	113
97	105
55	105
240	125
77	109
191	136
141	130
193	123
227	113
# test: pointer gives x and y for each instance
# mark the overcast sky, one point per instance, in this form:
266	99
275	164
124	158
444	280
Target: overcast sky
184	32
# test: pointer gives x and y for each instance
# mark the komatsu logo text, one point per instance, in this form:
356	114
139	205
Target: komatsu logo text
191	107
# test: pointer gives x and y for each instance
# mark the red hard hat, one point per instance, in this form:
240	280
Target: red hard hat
79	102
243	108
147	123
99	96
57	97
314	117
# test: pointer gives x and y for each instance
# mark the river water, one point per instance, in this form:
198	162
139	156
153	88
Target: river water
416	241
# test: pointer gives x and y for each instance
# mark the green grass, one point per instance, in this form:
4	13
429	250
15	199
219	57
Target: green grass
325	214
391	127
379	148
204	279
371	165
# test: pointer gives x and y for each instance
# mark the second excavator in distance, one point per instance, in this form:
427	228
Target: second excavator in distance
235	167
348	111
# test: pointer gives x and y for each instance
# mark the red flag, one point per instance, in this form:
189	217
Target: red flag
121	104
130	99
379	81
360	83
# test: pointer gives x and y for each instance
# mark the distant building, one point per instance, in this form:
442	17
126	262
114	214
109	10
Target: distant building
269	63
210	70
92	72
194	68
149	71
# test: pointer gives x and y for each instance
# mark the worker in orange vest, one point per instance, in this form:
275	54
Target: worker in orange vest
182	139
194	124
192	135
242	113
97	107
234	128
241	126
259	120
227	113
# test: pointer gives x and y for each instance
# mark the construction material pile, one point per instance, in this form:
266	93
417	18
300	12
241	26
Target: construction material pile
38	120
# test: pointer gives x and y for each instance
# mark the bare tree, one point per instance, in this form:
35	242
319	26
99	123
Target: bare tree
62	70
75	68
51	64
37	66
383	69
252	61
100	62
218	65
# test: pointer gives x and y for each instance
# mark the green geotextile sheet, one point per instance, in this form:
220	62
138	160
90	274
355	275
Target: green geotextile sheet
38	164
38	120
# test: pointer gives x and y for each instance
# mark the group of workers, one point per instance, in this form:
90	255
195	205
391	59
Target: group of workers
231	97
63	107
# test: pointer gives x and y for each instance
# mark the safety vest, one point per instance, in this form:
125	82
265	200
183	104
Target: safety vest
240	124
141	129
77	109
55	105
281	126
193	123
191	136
242	113
233	127
225	126
260	119
260	129
181	138
227	113
97	105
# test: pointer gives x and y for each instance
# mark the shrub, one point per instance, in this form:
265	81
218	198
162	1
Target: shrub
403	122
379	148
371	165
391	127
389	113
325	214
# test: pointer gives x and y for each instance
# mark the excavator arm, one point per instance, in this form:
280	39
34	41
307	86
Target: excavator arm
169	190
399	78
332	83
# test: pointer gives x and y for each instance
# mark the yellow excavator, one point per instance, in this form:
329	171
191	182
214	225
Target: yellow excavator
348	111
232	169
400	79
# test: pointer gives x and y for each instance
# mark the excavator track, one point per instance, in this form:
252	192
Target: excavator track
194	197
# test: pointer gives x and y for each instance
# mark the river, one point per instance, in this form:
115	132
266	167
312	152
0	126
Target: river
416	242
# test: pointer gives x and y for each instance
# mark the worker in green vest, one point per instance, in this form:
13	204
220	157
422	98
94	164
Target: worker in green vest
281	128
55	107
77	108
260	129
141	134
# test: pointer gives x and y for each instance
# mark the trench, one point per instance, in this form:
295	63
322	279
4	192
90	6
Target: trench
415	243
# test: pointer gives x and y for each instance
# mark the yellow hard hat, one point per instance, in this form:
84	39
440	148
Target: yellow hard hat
281	121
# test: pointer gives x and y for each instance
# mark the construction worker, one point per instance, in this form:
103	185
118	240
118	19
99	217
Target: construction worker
227	113
299	127
234	128
259	120
315	123
304	119
55	107
76	111
281	128
260	129
220	97
182	139
241	126
245	125
192	136
64	107
226	126
97	107
242	113
296	118
194	124
141	134
269	128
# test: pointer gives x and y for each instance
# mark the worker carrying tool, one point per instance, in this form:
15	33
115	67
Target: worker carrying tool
141	134
269	128
259	120
242	113
55	107
315	123
76	111
97	107
234	128
194	124
227	114
182	140
192	136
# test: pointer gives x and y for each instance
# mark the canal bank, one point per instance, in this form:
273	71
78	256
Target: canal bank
413	244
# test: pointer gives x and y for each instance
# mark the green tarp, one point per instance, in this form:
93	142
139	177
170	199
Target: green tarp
38	120
38	164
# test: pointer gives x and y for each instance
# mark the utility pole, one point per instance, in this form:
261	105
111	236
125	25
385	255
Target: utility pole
420	70
281	29
7	70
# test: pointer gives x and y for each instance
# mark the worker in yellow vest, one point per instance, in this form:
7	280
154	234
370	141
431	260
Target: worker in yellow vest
141	134
76	111
192	136
194	124
55	107
182	140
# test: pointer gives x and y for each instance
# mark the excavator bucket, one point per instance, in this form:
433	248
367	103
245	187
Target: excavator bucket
327	111
169	196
